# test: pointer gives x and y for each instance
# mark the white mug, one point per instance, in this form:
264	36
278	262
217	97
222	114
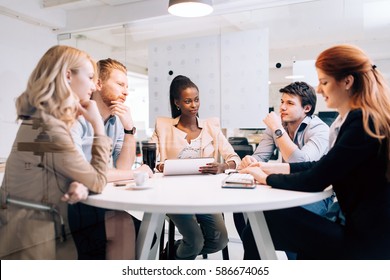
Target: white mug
140	177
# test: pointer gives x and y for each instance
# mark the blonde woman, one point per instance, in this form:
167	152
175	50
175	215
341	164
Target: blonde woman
44	169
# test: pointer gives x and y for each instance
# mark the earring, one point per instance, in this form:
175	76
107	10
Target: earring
68	82
178	108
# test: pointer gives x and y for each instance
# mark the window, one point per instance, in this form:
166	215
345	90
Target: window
138	100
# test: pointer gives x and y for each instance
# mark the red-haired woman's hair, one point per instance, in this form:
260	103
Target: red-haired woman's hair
369	91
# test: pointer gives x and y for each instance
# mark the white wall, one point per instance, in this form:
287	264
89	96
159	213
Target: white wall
230	70
307	69
95	49
21	46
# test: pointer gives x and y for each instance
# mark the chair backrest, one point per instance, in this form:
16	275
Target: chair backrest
238	141
328	116
243	150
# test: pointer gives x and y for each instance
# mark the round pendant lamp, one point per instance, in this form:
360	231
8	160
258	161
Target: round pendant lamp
190	8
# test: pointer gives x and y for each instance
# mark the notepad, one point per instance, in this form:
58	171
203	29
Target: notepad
186	166
239	181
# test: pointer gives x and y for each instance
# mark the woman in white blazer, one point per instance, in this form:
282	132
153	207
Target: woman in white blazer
186	136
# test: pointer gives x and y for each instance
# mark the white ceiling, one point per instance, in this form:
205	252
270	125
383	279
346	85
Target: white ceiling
298	30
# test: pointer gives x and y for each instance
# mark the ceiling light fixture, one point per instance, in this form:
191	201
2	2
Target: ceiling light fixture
190	8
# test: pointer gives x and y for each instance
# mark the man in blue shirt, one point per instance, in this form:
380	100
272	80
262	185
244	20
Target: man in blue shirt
112	90
296	133
101	233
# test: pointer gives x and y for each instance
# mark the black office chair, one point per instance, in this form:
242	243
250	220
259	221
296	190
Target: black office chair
275	155
241	146
170	249
243	150
328	117
238	141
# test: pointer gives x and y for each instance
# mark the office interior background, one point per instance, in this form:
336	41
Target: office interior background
290	34
241	54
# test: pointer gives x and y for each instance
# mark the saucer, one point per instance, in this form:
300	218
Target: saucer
135	187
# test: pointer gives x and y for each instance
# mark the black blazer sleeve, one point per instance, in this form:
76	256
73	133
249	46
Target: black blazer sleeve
301	166
348	161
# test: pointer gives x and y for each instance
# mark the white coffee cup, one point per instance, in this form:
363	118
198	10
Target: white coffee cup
140	178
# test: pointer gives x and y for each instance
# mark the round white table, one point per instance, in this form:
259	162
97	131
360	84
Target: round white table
199	194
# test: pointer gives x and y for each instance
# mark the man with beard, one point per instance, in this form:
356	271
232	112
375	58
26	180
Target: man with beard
97	226
110	96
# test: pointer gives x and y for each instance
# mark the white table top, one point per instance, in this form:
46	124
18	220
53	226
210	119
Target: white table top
198	194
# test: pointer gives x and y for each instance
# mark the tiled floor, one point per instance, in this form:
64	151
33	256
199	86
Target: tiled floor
67	250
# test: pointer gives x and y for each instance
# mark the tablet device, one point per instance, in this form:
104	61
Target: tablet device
185	166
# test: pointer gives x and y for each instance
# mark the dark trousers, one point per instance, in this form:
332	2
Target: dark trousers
240	223
298	230
87	225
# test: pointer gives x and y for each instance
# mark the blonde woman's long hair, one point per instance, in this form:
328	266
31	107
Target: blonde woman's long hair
369	92
48	88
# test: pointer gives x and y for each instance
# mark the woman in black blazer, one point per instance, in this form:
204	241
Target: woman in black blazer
356	166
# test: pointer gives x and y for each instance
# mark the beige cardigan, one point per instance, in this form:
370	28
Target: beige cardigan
30	177
170	140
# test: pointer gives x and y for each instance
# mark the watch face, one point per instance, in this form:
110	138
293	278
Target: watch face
278	132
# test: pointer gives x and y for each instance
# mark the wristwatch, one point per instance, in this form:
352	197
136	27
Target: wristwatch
131	131
279	132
